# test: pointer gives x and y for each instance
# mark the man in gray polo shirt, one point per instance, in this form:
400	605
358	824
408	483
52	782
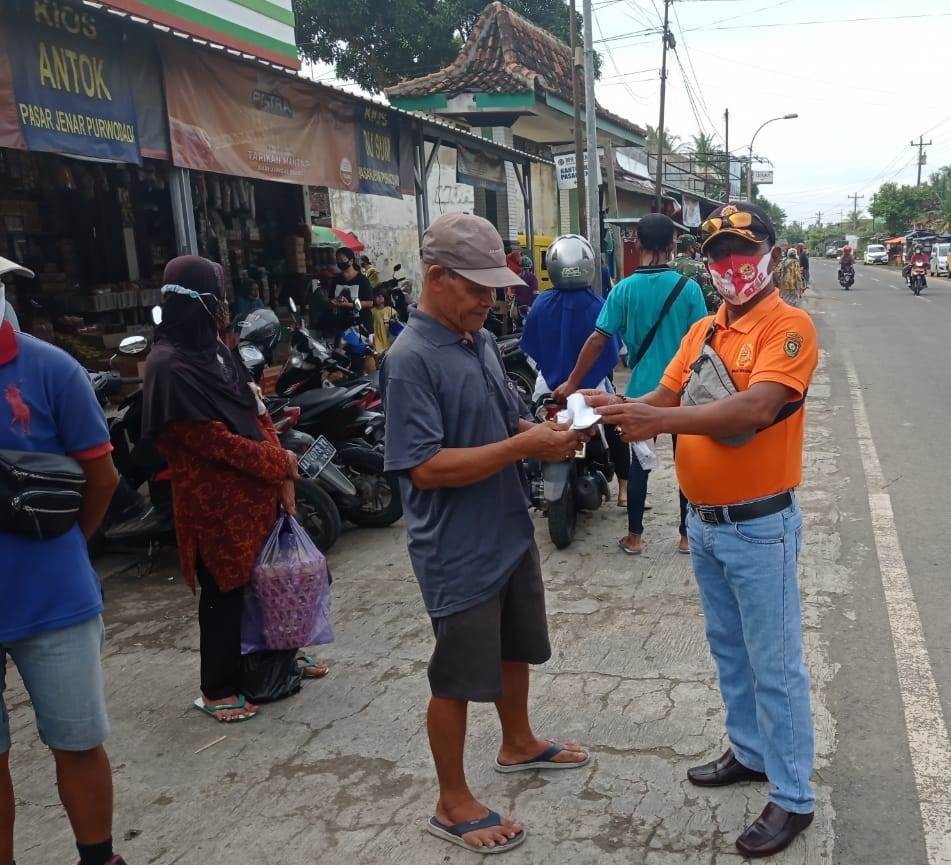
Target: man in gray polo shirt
455	436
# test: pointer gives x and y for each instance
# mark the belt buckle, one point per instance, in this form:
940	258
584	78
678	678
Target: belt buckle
707	515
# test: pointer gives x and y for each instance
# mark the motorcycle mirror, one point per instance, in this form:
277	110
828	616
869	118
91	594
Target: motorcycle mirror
133	345
156	315
398	267
291	303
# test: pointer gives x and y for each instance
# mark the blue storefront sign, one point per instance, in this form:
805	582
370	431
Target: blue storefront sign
378	161
72	90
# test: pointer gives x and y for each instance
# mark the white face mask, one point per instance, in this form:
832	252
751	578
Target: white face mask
739	278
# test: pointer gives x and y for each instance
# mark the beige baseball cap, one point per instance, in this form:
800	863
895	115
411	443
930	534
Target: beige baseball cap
7	266
472	247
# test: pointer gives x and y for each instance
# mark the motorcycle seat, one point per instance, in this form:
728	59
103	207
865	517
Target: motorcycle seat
320	400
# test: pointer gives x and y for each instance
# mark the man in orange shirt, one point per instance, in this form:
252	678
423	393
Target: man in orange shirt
739	460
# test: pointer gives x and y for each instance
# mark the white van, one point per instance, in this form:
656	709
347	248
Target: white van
939	259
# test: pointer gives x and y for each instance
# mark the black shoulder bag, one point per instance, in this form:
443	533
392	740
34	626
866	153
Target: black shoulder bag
40	494
671	299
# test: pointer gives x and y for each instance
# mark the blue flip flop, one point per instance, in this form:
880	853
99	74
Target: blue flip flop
453	834
545	760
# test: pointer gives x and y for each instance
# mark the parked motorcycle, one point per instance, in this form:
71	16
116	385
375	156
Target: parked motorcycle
134	518
346	417
562	490
518	367
395	291
917	279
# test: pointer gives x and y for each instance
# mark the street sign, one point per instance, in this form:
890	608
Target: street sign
764	176
565	165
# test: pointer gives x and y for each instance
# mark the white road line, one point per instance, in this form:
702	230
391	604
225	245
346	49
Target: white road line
875	279
924	721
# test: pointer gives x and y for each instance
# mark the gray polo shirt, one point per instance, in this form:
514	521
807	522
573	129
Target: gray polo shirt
439	391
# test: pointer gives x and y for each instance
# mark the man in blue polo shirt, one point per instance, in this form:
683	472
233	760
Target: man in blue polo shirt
639	309
455	437
50	599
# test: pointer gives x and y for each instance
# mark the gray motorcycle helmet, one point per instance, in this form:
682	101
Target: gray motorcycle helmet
570	263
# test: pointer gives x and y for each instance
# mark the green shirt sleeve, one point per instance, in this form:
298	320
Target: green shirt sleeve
613	316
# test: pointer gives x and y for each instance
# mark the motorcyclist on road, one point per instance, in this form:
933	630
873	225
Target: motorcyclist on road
917	259
847	261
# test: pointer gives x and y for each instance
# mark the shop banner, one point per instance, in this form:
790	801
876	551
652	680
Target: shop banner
479	169
378	152
10	134
235	118
72	90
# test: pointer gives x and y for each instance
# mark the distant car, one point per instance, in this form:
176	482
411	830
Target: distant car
832	252
875	253
939	259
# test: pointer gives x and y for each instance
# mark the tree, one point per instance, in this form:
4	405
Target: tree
795	233
899	207
377	43
774	211
672	143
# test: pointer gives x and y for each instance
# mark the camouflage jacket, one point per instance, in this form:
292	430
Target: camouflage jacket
696	269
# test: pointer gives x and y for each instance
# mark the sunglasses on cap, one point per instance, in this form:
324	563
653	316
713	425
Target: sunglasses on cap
740	222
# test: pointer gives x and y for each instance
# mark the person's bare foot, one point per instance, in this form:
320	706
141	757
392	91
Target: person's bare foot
571	752
226	715
631	544
463	812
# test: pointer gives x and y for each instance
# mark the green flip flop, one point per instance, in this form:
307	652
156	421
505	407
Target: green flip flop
242	703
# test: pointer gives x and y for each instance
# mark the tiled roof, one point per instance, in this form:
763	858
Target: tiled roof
505	53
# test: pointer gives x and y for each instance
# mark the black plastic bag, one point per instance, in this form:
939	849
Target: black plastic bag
270	675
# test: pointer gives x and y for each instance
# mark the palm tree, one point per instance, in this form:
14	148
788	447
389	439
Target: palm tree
672	143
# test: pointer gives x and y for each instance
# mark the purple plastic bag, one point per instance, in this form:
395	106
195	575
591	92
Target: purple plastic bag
287	604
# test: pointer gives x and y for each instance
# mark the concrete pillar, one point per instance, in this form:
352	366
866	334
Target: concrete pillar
510	205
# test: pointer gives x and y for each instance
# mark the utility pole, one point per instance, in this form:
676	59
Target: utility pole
819	218
591	126
855	209
921	144
726	148
668	43
576	73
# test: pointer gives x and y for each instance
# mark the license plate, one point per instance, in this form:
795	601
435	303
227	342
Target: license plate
320	453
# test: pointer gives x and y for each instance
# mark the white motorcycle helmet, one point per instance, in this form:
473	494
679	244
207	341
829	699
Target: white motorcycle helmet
570	263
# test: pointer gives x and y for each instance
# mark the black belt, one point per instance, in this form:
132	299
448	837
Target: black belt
720	514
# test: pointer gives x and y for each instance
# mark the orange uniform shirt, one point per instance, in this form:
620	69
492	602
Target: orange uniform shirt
772	342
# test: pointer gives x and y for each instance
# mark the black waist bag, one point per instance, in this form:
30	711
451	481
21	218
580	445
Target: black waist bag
40	494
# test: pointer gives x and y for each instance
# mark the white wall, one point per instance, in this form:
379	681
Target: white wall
387	226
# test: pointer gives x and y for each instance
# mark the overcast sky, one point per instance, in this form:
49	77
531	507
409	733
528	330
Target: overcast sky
862	89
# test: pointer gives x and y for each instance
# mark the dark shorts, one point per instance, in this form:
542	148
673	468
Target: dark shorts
471	645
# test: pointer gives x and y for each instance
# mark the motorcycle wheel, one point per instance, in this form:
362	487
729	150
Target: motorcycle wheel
380	503
917	289
563	516
524	384
318	514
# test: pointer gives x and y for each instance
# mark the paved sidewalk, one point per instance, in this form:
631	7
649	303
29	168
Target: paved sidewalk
341	774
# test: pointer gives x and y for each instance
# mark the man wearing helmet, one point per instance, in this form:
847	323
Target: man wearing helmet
651	310
689	263
918	258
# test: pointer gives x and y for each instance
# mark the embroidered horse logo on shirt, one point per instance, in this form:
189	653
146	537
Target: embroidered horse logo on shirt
21	411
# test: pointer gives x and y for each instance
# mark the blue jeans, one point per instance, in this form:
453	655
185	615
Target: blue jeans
746	573
62	672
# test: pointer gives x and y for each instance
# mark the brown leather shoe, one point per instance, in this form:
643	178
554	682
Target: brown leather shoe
773	830
723	771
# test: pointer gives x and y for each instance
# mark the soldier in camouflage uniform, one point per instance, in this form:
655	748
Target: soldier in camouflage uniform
689	264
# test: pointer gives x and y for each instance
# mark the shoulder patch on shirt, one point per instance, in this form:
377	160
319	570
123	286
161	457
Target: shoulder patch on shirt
793	344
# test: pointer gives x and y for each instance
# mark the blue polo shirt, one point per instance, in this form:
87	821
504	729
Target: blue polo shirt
440	391
630	311
47	405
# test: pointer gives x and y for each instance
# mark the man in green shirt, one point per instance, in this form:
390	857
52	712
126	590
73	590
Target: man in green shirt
631	310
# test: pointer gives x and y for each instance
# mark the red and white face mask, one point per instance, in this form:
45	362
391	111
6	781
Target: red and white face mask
739	278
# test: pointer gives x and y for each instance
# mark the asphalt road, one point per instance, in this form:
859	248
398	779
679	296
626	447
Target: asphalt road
895	347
